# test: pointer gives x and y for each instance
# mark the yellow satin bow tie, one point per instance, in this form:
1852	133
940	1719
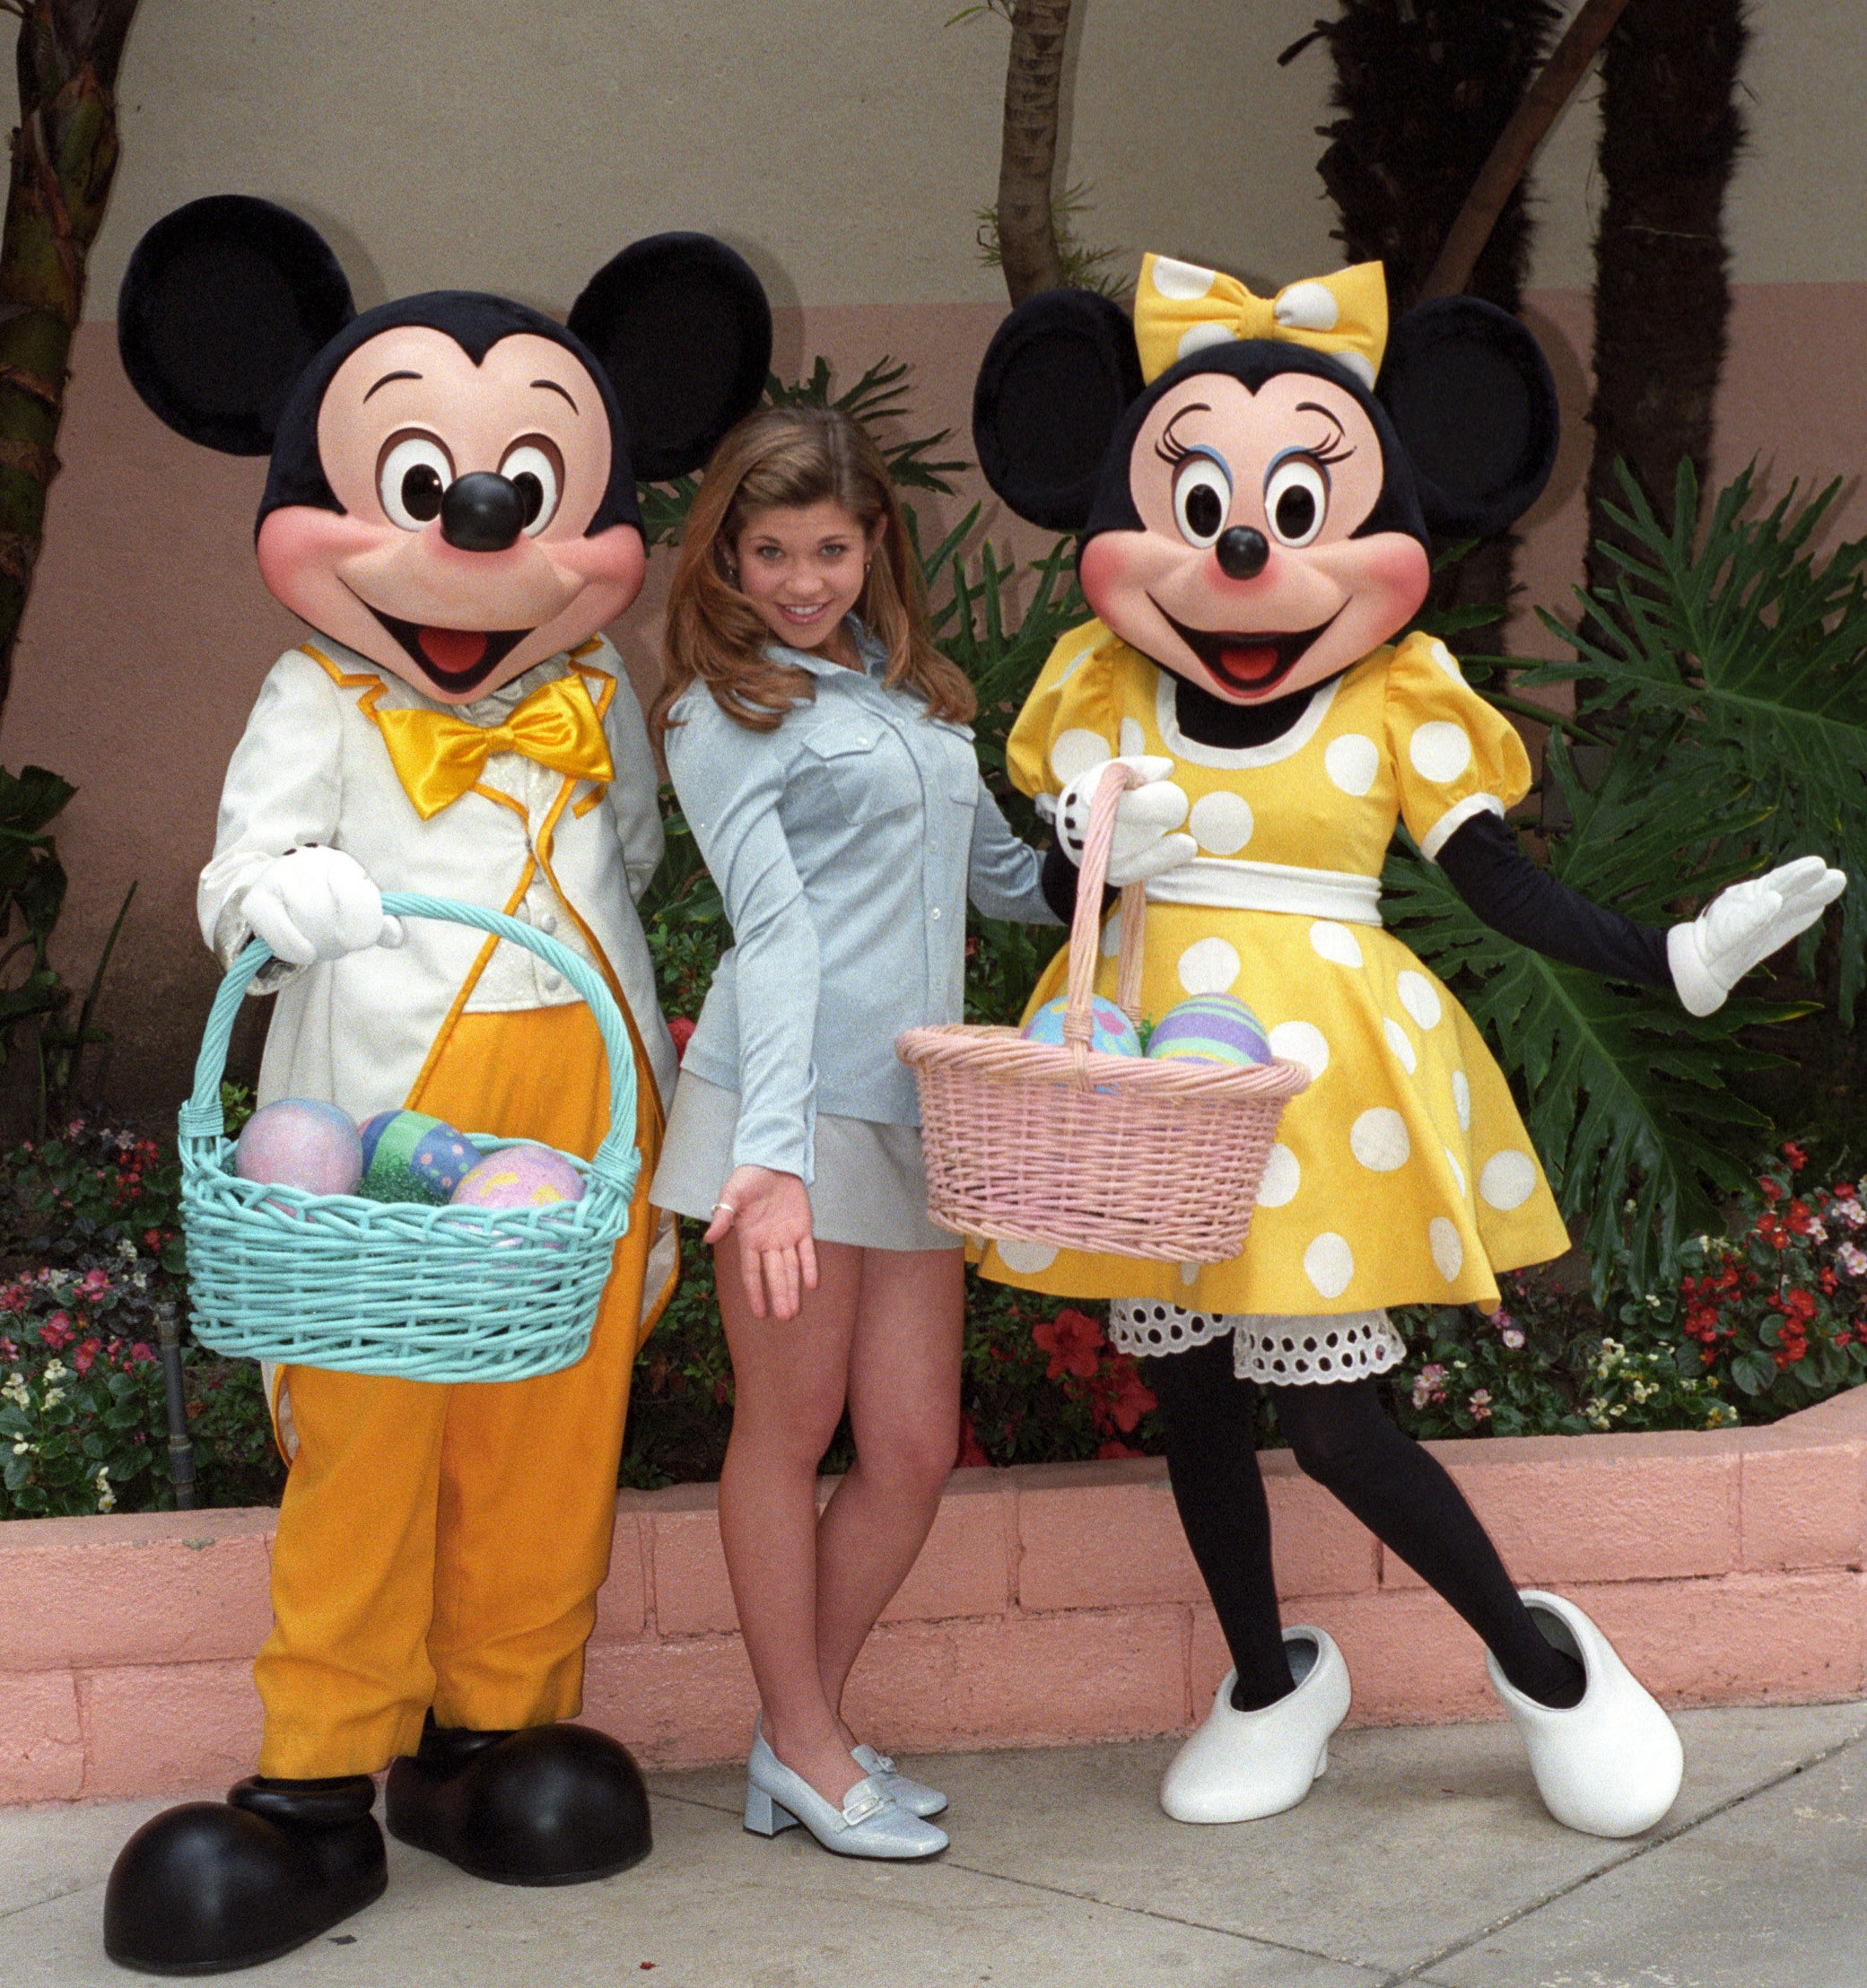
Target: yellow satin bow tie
1179	308
438	756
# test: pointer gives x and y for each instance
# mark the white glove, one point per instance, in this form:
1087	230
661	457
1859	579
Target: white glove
1745	924
1145	819
317	903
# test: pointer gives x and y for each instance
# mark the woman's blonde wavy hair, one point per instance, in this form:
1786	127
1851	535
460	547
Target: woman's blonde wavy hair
788	458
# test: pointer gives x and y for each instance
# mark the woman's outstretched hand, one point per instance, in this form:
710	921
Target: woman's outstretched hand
770	1214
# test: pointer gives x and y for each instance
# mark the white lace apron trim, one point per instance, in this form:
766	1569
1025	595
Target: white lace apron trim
1274	1350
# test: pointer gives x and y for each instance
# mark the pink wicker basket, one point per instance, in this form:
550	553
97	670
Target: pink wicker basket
1030	1143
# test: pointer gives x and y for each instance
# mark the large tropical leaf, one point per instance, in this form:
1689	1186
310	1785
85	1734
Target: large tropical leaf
1758	648
1626	1096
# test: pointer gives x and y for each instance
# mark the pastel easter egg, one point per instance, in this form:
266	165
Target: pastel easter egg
520	1177
1110	1032
410	1156
301	1142
1213	1028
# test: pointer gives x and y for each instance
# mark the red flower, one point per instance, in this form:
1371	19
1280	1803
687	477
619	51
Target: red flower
56	1331
969	1454
1073	1340
1113	1449
1125	1396
140	1354
86	1353
1771	1189
1794	1155
152	1239
681	1029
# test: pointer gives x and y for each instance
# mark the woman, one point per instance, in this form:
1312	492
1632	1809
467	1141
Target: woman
820	748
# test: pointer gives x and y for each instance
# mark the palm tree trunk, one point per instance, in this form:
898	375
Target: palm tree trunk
1426	89
1670	133
1027	160
63	157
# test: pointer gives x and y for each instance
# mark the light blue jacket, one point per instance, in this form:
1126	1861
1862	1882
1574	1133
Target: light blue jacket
845	844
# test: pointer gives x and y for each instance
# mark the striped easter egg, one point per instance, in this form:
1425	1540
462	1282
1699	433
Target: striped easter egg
411	1156
1215	1028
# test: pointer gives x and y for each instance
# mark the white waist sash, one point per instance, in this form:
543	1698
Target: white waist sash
1229	883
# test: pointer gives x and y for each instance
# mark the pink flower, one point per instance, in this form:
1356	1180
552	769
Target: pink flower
1480	1404
87	1353
1429	1385
94	1284
56	1331
1850	1260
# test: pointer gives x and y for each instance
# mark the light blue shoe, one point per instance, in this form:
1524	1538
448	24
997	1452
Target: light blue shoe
915	1796
870	1824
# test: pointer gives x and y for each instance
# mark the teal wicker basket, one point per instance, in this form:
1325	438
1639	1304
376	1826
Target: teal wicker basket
424	1294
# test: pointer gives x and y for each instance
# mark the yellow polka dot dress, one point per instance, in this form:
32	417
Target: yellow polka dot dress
1403	1174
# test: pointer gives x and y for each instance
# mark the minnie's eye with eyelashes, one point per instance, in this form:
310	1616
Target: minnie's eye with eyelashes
1295	500
412	478
1202	497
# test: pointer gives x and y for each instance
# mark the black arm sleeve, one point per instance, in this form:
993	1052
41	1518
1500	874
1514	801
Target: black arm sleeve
1058	885
1485	866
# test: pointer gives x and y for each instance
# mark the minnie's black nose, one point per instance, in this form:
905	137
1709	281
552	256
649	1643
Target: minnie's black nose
484	513
1241	551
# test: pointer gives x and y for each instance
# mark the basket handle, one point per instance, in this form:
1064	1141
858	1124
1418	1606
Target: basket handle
1085	926
201	1116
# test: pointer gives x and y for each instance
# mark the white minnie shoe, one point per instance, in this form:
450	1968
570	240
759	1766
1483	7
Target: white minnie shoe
1240	1766
1609	1766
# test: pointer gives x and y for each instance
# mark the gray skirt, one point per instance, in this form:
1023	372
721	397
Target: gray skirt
870	1188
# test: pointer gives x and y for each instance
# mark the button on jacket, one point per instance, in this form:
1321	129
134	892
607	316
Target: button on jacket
845	844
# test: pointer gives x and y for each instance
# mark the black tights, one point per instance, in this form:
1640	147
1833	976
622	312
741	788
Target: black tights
1342	1437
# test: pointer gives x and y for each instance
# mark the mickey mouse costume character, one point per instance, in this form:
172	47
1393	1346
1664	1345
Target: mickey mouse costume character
452	507
1255	483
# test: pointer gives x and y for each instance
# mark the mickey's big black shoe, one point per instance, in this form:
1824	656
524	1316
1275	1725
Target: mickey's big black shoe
211	1887
547	1805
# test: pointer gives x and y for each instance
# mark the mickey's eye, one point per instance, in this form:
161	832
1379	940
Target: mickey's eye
535	470
1202	496
1296	499
411	476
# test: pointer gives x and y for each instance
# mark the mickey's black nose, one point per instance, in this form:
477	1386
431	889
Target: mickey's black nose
484	513
1241	551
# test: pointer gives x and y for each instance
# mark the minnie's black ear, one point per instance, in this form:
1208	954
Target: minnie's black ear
1056	379
681	326
1470	394
225	303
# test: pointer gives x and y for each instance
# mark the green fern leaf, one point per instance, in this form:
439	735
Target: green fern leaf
1755	649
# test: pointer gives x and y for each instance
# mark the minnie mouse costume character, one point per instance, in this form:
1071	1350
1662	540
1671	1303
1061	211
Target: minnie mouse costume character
451	506
1255	483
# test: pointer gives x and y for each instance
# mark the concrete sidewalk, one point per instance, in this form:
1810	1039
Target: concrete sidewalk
1423	1857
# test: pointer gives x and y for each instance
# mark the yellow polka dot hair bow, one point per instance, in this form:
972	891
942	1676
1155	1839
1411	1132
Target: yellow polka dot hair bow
1179	308
438	756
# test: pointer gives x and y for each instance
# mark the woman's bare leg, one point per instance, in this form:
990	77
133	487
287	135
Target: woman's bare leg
903	1401
789	1379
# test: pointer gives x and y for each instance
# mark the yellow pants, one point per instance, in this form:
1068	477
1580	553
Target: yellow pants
442	1546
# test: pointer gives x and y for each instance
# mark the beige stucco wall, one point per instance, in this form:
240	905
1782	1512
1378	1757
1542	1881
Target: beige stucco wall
514	144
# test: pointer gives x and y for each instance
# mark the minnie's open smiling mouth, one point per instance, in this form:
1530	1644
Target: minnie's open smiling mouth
1247	661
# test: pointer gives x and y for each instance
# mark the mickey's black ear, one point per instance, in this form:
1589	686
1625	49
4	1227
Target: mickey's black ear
681	326
225	303
1056	379
1469	391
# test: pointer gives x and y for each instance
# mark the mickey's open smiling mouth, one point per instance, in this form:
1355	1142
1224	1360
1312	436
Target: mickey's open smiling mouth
1248	662
457	658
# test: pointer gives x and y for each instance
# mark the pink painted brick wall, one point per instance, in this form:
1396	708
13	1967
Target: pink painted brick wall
1051	1604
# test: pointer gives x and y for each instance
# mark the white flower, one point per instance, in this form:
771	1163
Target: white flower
16	1390
139	1280
106	1497
54	1396
1512	1336
55	1370
127	1250
23	1448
